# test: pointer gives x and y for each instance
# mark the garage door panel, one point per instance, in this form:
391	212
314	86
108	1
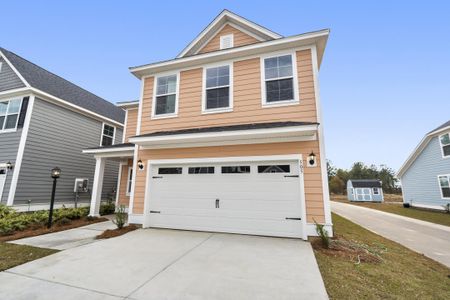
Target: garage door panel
253	203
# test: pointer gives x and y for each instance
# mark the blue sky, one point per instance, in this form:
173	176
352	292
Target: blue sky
385	77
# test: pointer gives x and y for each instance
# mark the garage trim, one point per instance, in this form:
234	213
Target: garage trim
289	157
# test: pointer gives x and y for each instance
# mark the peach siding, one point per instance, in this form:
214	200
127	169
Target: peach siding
240	39
247	99
313	182
123	198
131	123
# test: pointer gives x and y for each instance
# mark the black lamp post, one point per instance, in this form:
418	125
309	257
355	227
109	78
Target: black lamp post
56	172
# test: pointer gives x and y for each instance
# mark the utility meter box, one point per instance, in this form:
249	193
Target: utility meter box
81	185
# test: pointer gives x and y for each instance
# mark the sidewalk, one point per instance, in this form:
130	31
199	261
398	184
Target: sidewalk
432	240
67	239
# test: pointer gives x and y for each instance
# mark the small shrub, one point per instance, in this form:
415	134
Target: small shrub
64	221
323	234
121	217
6	227
107	208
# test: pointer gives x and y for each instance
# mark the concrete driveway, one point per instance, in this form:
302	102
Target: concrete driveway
433	240
171	264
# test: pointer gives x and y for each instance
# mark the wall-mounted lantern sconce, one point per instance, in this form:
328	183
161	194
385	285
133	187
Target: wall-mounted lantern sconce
9	165
312	160
140	165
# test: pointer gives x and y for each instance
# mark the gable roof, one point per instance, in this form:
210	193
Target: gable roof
365	183
227	17
45	81
423	143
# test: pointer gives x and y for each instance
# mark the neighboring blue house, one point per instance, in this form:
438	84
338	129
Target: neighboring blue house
368	190
425	176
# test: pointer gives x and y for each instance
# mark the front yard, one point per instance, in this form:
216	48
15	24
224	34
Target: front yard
378	268
397	208
12	255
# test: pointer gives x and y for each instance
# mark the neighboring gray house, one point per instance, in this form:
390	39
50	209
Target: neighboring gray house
46	121
368	190
425	176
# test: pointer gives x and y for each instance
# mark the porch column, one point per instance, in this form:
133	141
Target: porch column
97	186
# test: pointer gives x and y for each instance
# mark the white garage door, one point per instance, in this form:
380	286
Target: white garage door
262	198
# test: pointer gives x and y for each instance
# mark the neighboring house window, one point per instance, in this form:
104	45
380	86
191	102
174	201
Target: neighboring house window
165	101
9	114
218	92
279	78
445	144
130	180
226	41
376	191
444	183
108	135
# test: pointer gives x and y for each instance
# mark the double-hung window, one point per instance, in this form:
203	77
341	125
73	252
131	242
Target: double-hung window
445	144
165	100
444	184
108	135
218	89
279	80
9	114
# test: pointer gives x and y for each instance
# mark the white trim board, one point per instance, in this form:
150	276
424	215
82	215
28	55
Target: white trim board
20	152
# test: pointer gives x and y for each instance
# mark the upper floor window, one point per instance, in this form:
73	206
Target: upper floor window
226	41
9	114
165	100
218	93
279	80
108	135
445	144
444	184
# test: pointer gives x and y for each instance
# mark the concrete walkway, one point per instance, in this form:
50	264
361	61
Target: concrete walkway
67	239
433	240
170	264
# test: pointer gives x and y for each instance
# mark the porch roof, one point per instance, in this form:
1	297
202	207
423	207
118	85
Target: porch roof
116	150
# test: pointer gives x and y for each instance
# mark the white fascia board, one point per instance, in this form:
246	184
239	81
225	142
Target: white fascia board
232	16
126	105
308	130
228	54
15	93
109	150
48	97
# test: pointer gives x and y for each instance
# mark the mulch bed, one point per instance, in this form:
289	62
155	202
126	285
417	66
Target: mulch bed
350	250
110	233
42	229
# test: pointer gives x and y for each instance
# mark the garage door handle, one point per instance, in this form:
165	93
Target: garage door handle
290	175
297	219
155	212
155	177
217	203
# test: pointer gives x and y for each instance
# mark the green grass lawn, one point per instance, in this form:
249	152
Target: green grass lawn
12	255
402	274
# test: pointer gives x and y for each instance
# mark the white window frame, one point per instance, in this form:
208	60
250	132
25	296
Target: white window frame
442	146
230	86
177	93
6	115
439	184
222	39
296	99
129	181
376	189
114	135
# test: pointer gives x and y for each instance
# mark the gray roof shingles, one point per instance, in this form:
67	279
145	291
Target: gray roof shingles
446	124
366	183
50	83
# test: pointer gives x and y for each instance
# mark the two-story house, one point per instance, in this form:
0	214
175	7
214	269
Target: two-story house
425	175
227	136
45	122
